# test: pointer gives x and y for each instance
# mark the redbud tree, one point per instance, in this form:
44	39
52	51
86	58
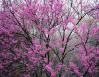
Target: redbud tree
49	38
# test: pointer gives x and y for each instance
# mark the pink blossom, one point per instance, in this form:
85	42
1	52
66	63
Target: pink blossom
53	74
61	50
49	68
52	31
76	69
83	27
1	67
95	29
43	53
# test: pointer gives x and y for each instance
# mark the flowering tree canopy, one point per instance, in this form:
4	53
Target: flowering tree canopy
49	38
